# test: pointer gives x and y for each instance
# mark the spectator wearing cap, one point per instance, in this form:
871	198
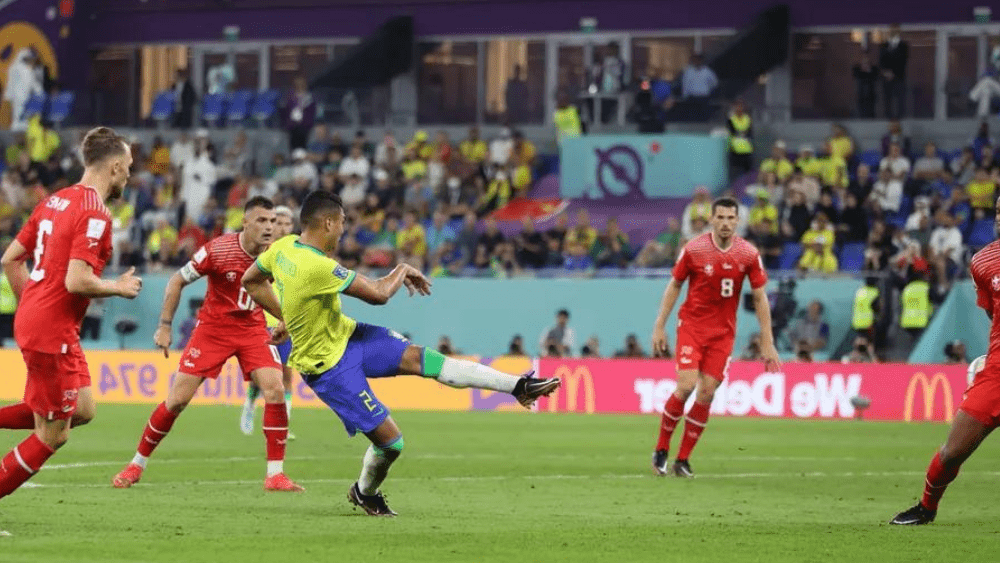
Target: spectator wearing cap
818	244
419	147
700	207
807	162
501	148
777	163
840	143
304	175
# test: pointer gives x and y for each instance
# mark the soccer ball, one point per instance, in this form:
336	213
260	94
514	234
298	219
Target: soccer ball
975	367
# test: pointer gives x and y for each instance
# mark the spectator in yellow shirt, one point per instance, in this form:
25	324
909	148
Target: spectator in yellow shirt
808	163
497	193
777	163
162	244
42	141
982	192
422	149
159	157
581	237
840	144
834	173
411	241
413	167
473	148
818	243
762	210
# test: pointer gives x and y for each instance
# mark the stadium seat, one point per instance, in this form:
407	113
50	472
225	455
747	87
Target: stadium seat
163	106
34	106
852	257
790	255
61	107
872	158
981	234
212	108
239	106
264	105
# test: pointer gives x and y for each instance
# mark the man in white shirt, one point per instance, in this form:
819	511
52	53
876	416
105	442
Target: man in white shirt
947	252
887	193
930	166
897	164
501	147
382	150
356	164
304	174
198	179
182	150
698	81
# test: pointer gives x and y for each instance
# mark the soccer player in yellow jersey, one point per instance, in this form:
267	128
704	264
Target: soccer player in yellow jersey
283	226
336	354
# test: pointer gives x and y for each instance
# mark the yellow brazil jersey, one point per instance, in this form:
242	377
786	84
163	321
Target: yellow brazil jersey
309	285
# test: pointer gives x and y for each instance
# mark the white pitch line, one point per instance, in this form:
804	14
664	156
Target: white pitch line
551	477
85	464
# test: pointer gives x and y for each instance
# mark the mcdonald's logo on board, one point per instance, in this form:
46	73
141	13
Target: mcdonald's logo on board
571	380
928	387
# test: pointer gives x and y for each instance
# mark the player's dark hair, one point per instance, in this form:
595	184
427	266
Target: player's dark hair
725	202
318	203
100	143
258	201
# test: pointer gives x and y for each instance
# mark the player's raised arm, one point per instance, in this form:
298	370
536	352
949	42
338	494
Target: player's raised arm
378	292
15	267
257	282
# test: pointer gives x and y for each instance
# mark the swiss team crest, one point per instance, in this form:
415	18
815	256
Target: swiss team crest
194	352
231	276
686	350
996	283
709	269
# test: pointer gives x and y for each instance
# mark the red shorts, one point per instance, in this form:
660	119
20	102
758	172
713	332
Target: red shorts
54	381
211	345
982	400
709	354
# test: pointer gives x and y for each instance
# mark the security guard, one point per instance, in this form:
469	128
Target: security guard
917	306
8	305
866	307
740	138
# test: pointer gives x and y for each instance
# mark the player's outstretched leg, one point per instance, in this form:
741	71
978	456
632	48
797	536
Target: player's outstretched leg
159	424
967	432
463	373
17	417
275	426
378	459
22	462
249	406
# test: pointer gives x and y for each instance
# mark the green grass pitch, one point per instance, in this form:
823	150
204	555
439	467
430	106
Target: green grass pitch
483	486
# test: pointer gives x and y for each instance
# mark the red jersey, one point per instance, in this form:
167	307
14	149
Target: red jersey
224	261
716	281
72	224
985	268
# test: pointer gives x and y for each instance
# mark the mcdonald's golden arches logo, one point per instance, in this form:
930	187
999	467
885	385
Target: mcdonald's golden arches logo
929	388
571	378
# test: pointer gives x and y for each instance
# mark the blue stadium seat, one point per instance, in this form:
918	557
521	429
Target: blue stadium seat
981	234
264	105
239	105
34	106
61	106
790	255
852	257
872	158
163	106
212	107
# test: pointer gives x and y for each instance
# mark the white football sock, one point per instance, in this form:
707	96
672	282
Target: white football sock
275	467
374	470
463	373
140	460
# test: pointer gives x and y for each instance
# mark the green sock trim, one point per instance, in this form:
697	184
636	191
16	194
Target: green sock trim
288	396
433	362
395	446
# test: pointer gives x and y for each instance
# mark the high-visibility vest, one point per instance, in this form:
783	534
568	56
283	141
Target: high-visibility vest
567	122
8	301
864	315
740	143
916	305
